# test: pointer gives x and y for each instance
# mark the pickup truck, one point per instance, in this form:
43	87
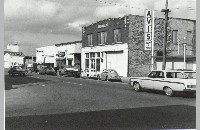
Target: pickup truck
169	81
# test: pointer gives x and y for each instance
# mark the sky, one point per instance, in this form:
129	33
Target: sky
38	23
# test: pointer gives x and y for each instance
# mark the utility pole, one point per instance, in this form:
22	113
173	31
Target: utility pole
166	11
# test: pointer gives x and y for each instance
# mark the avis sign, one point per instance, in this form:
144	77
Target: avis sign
148	30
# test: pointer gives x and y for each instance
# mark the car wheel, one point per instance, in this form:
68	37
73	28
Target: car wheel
98	77
168	91
137	87
106	78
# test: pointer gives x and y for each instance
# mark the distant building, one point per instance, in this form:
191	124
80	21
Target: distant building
12	56
118	43
60	54
13	47
13	59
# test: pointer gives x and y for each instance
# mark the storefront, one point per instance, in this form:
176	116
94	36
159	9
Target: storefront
106	57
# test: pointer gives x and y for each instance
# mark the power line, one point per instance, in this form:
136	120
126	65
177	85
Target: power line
110	3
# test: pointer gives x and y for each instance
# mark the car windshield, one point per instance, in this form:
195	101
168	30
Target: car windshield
17	67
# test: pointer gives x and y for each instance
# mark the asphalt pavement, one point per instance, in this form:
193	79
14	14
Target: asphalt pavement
58	102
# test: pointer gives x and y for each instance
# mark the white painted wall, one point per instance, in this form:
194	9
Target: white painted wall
13	47
10	60
177	65
50	52
115	60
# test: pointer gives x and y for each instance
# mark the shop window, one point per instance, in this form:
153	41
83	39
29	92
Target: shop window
90	40
92	55
70	62
189	37
175	36
97	64
86	63
92	63
98	54
117	35
87	55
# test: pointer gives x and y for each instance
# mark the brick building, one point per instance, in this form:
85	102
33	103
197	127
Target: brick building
118	43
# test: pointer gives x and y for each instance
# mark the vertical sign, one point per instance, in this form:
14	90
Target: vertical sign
148	30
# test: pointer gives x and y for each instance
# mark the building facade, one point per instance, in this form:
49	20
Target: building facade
118	43
105	46
12	56
59	55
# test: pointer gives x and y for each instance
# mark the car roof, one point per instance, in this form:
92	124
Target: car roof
178	70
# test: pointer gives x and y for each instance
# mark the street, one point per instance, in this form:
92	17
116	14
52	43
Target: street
58	102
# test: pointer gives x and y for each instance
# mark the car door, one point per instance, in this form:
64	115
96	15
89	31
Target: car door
148	82
158	82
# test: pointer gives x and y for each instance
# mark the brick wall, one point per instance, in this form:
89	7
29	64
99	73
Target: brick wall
111	24
139	59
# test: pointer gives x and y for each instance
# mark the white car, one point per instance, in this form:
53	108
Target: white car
90	73
169	81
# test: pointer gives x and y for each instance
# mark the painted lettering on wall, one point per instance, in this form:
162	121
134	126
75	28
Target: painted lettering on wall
148	30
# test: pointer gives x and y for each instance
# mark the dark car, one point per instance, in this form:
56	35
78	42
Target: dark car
17	70
66	70
50	71
46	70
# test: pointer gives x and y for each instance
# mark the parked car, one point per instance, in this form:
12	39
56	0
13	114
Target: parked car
41	69
46	70
110	74
50	71
17	70
169	81
90	73
66	70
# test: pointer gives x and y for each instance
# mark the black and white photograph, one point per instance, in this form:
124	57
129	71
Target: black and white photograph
99	64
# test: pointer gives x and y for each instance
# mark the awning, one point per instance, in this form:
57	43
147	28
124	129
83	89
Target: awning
69	58
60	58
176	57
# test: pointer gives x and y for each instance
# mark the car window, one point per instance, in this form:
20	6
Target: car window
160	74
170	75
152	74
190	75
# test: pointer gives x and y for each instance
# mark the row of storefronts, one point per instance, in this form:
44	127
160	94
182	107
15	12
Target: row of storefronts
118	43
59	55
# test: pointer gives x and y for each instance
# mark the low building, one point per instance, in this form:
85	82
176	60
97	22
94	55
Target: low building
13	59
118	43
46	55
59	55
12	56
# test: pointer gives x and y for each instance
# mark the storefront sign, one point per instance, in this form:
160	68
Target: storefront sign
60	54
103	25
39	51
148	30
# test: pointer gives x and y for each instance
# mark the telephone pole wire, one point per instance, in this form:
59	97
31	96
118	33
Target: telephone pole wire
166	11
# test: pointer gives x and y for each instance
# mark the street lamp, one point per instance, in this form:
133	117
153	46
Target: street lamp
184	53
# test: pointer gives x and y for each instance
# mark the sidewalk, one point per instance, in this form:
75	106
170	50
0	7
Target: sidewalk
125	79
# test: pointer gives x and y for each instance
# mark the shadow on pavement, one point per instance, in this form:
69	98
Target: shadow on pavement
161	117
17	80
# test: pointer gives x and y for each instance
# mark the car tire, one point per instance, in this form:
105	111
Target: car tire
137	87
168	91
106	78
98	77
